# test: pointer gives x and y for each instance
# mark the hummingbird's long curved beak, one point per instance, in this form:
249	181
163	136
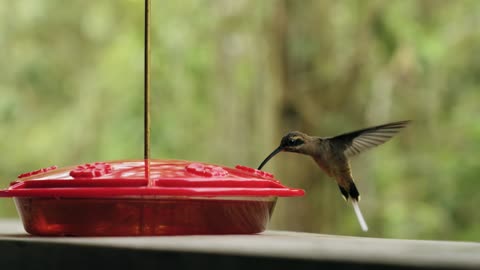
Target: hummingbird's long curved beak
276	151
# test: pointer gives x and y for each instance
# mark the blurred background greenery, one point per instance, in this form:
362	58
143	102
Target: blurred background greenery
230	77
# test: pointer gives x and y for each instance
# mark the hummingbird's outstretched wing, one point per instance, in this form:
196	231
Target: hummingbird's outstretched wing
358	141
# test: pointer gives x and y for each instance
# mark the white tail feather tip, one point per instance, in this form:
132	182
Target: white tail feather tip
360	218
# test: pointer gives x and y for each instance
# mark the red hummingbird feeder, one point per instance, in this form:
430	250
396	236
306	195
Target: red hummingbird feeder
146	196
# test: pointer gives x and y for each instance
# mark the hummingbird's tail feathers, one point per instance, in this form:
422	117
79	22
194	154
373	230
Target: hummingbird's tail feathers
344	192
360	218
352	192
354	196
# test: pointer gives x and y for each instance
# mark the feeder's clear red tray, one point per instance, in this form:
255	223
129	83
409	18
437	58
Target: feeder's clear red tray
146	197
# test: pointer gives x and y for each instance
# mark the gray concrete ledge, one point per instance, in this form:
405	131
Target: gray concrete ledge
272	249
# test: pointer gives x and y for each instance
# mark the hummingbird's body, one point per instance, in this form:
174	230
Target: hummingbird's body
332	154
331	159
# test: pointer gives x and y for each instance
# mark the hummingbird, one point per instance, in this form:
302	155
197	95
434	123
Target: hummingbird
332	154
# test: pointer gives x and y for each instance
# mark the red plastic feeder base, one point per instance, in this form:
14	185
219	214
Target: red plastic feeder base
137	217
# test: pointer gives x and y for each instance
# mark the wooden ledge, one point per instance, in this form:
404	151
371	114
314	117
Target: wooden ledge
272	249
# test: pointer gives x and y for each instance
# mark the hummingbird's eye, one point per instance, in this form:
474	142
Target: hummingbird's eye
294	142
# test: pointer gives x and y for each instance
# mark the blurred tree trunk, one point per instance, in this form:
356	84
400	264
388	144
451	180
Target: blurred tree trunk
318	81
291	213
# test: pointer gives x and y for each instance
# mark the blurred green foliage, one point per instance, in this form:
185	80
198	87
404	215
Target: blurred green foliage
230	77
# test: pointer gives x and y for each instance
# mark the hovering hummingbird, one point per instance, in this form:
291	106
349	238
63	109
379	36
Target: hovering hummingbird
332	154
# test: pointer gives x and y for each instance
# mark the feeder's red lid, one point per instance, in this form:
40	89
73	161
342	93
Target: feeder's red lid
147	178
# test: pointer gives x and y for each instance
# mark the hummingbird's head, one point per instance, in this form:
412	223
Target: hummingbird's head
292	142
